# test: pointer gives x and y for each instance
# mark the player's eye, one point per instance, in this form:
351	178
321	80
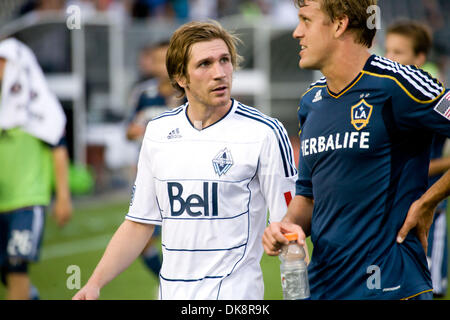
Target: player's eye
204	64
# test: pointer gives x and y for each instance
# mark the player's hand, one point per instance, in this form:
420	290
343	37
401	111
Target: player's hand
420	216
273	237
62	210
88	292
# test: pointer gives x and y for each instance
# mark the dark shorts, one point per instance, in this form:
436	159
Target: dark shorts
21	235
156	231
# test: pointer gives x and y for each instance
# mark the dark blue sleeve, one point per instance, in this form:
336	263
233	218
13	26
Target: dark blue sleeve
303	185
145	102
425	106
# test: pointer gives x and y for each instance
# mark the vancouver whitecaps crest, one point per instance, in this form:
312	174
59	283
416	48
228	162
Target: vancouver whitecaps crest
222	161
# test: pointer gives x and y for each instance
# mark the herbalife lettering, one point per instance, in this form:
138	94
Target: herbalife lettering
348	140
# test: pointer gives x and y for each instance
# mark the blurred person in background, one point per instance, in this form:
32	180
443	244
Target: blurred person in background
160	9
409	43
114	9
150	8
152	96
33	155
154	93
42	6
203	9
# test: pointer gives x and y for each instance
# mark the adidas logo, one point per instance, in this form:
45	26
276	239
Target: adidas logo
174	134
318	96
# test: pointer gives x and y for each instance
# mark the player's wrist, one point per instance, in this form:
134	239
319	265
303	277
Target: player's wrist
427	203
95	282
62	190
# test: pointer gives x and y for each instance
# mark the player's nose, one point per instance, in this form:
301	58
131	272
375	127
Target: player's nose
218	71
298	32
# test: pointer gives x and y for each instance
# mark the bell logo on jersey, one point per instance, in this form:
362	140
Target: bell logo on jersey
222	162
178	205
361	113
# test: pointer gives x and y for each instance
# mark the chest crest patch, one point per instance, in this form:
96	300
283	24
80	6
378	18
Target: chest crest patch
360	114
222	162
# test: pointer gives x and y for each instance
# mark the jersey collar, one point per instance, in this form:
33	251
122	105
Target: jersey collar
232	107
353	82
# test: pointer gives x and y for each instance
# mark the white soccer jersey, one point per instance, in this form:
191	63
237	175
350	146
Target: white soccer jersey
210	190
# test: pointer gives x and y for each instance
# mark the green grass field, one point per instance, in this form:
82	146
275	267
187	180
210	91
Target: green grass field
82	243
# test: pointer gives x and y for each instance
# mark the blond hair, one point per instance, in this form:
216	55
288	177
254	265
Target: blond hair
355	10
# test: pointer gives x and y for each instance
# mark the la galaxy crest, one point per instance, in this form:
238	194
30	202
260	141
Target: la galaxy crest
361	113
222	162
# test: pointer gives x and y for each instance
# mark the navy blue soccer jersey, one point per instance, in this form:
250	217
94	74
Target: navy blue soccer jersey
364	159
147	98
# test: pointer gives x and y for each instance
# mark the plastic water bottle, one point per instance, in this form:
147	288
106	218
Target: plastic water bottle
293	269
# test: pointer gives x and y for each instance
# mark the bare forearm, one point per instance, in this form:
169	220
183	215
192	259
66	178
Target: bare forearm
61	165
438	166
62	207
421	212
297	220
124	247
300	212
438	191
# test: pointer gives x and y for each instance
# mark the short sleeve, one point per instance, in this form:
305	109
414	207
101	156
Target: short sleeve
303	185
277	171
144	205
420	102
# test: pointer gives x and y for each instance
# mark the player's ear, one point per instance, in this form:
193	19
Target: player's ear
340	26
420	59
182	81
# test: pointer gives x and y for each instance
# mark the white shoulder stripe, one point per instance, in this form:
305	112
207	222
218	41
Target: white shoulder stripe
417	74
419	88
170	113
279	130
424	77
322	80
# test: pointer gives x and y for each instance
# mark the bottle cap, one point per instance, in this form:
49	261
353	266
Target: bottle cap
291	236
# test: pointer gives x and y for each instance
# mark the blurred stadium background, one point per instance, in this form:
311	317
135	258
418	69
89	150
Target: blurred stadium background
92	70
